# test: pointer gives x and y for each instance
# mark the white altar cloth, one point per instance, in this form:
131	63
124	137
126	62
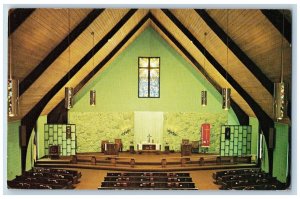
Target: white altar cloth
140	146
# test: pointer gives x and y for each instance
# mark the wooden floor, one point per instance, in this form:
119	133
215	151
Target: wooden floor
91	179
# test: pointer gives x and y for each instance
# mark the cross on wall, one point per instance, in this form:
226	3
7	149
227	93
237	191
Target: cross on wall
149	136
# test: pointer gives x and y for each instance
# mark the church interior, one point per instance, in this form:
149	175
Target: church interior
149	99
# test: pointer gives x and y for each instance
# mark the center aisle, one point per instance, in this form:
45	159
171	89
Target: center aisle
91	179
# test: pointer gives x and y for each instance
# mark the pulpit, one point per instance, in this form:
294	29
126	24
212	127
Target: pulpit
111	149
186	149
167	149
54	152
131	149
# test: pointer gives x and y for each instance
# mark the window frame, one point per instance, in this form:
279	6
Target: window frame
148	68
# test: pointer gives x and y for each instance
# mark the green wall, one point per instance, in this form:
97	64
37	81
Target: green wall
30	152
92	127
13	150
42	120
254	123
178	126
14	164
117	90
280	165
265	156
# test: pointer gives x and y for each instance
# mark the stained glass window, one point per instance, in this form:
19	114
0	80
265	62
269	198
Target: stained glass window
149	76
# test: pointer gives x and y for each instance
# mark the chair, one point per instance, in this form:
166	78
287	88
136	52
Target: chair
103	142
119	144
195	146
185	141
54	152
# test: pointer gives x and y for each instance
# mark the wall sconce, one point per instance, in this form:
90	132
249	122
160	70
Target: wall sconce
226	98
92	97
13	97
204	98
69	92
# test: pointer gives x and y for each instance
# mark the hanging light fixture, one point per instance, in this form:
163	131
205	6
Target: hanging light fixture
204	92
92	97
226	98
280	99
93	92
226	91
12	88
69	91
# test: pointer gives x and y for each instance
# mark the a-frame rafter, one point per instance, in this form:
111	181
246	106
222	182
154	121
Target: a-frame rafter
31	117
275	17
58	50
259	112
241	115
17	17
252	67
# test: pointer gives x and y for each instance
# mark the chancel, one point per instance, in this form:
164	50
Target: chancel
161	119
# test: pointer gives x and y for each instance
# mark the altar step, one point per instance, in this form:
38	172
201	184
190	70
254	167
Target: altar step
149	168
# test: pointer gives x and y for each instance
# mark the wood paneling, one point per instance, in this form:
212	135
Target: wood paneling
40	33
218	50
37	36
213	73
77	50
259	39
100	55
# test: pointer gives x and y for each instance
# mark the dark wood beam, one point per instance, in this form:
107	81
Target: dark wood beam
276	19
17	17
265	121
110	55
59	115
237	51
58	50
31	117
241	115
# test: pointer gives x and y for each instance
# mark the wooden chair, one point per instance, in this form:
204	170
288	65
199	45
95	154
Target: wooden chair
195	146
54	151
119	144
185	141
111	149
103	142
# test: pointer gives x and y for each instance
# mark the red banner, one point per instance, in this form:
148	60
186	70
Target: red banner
205	135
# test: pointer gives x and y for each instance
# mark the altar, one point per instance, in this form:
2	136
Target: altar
148	146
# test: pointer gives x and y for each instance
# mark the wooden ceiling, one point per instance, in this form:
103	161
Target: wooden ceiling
43	30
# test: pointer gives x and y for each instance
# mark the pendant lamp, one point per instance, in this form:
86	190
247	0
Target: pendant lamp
93	92
226	98
280	89
226	91
204	92
92	97
69	91
12	87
